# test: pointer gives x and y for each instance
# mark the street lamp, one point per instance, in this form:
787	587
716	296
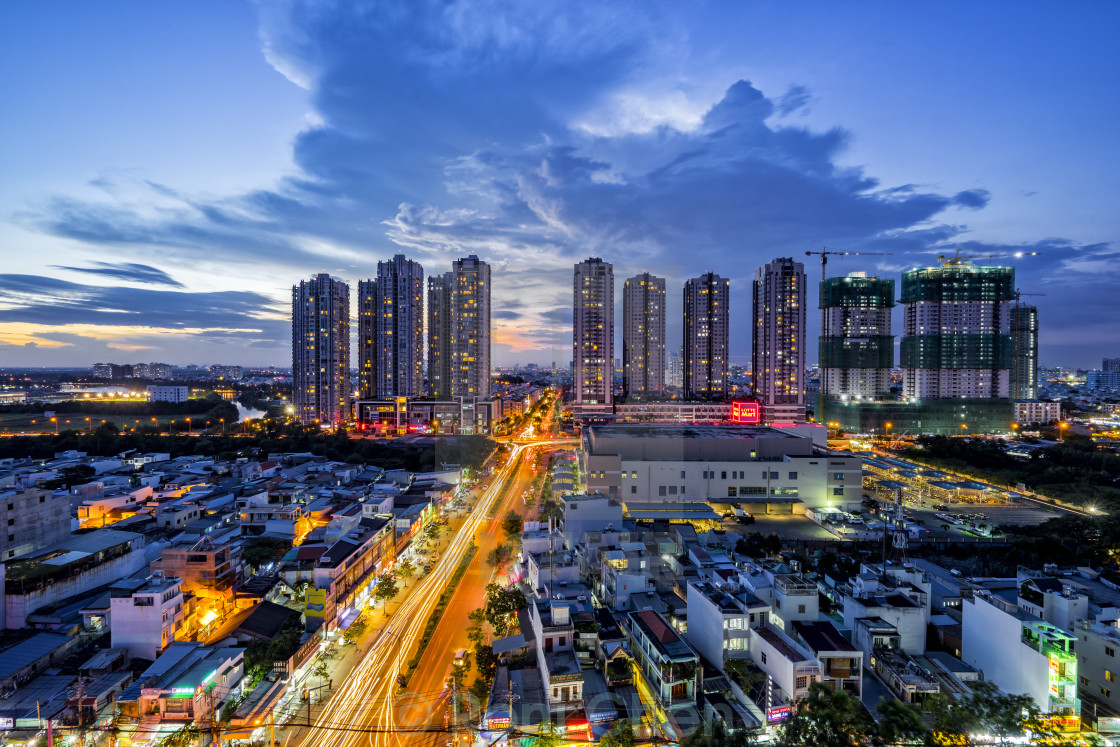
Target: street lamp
188	426
963	427
1061	430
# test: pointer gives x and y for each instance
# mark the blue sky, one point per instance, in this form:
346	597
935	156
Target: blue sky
171	169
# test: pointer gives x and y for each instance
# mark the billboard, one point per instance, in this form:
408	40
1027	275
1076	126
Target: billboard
778	713
315	603
746	413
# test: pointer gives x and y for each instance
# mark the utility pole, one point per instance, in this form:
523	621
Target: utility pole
454	709
81	713
509	726
271	730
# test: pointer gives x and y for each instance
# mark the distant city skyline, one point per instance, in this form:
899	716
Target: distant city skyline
159	203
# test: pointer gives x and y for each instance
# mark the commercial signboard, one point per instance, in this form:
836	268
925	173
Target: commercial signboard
778	713
746	413
315	603
1109	724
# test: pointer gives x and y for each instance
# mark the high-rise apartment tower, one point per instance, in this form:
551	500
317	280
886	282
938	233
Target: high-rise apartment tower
593	334
778	344
707	323
957	332
459	330
1024	368
391	330
439	335
643	337
321	350
857	347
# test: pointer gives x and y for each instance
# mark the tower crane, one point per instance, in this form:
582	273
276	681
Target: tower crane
825	252
1019	293
947	260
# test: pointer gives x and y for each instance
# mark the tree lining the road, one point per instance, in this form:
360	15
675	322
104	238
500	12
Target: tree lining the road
500	555
501	603
511	524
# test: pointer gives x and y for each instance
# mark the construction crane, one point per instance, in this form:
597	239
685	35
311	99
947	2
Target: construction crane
947	260
825	252
1019	294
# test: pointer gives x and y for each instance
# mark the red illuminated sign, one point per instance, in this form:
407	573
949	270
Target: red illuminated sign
746	413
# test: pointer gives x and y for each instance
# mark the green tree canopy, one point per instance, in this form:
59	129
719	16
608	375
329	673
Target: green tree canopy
824	718
511	524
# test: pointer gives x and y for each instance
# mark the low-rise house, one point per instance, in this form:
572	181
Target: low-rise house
147	615
560	670
669	666
186	684
1020	652
791	666
719	621
842	663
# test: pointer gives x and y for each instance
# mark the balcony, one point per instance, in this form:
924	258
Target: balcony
809	668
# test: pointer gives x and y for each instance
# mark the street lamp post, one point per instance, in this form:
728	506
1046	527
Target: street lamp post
188	426
963	427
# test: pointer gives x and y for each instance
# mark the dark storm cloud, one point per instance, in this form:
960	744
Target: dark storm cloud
128	271
450	128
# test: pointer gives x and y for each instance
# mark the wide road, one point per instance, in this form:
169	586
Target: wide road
366	708
451	634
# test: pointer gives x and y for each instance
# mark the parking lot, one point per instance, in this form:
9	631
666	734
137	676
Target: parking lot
999	514
801	527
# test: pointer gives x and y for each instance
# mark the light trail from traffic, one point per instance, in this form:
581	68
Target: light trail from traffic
367	699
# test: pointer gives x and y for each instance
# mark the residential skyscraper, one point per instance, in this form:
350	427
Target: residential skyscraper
321	350
439	335
470	328
459	330
707	323
1110	365
675	369
643	337
1024	368
593	334
778	343
391	330
957	323
857	347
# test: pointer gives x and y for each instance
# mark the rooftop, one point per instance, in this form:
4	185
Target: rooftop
822	635
669	430
30	650
661	634
780	644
